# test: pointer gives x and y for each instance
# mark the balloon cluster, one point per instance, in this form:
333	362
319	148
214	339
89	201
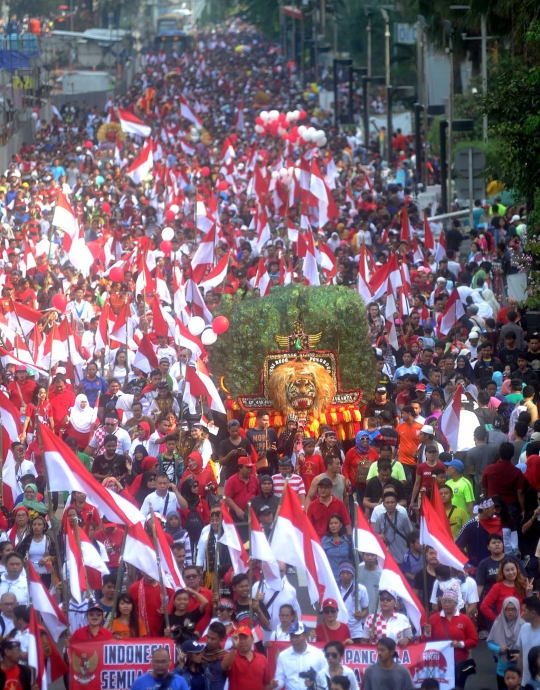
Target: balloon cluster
286	175
273	123
209	334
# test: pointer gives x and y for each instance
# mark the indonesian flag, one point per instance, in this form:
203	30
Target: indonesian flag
326	203
438	507
199	383
10	430
65	218
21	318
36	660
292	231
102	333
139	551
238	121
142	165
390	323
42	601
328	262
163	322
366	540
118	158
24	358
231	539
262	278
452	313
387	272
131	124
169	567
198	305
184	338
187	113
67	473
263	231
429	242
449	424
295	539
364	289
440	253
122	329
187	148
217	275
260	550
181	309
309	268
393	579
204	256
29	260
331	173
78	583
145	358
406	230
434	534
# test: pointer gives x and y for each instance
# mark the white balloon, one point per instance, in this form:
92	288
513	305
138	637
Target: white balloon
274	114
275	174
296	114
264	115
208	336
291	170
196	325
281	131
289	117
282	172
175	208
307	136
301	130
259	129
322	143
312	133
167	234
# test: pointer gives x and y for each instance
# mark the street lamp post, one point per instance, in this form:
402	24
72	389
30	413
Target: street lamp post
388	142
449	30
369	13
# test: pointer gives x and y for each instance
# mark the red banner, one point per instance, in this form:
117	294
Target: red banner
115	664
425	660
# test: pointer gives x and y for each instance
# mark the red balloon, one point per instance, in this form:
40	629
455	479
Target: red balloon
60	302
205	171
170	215
116	275
259	121
220	324
285	136
233	138
88	145
166	247
303	114
222	185
106	207
282	117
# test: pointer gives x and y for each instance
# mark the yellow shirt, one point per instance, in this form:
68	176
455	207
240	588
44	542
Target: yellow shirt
458	518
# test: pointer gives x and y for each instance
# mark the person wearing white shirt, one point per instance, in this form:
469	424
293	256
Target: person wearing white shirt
14	580
346	587
274	599
334	651
380	509
8	601
299	657
80	308
162	500
21	619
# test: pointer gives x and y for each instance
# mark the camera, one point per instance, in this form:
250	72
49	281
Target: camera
182	633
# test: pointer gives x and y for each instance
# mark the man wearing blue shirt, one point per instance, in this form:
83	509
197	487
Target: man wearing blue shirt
408	367
160	676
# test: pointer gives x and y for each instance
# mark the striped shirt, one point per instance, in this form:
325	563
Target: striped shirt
295	482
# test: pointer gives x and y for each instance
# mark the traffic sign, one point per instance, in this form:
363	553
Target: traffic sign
405	33
461	161
463	191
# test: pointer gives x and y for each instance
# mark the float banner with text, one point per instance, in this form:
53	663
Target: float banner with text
424	660
113	665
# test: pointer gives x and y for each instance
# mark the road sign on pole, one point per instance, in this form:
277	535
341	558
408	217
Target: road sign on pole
461	161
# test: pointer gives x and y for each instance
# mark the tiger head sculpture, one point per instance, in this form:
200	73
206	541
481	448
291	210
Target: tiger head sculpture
301	387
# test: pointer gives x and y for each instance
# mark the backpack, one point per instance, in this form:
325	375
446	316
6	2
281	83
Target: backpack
360	476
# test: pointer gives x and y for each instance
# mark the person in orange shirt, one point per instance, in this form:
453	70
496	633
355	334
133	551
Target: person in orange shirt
126	624
408	435
357	463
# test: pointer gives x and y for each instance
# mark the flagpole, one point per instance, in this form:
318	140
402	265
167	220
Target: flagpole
78	540
160	572
69	354
1	464
52	518
355	555
19	322
119	577
424	565
215	579
250	572
50	359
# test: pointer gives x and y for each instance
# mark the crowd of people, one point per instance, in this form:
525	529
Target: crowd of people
183	466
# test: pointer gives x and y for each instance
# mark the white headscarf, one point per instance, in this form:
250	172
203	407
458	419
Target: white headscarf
82	418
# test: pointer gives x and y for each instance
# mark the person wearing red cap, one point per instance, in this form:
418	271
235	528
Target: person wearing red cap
94	630
240	489
247	669
331	628
22	389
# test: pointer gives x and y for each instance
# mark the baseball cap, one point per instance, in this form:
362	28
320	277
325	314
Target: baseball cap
264	509
464	398
192	647
325	481
297	628
381	389
330	603
456	464
245	461
420	387
431	447
20	367
285	460
427	429
233	422
95	607
244	630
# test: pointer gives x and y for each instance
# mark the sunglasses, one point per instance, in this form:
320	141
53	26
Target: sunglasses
329	610
385	599
332	655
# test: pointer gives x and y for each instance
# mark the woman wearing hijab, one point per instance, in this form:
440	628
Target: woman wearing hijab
141	439
195	470
197	513
147	485
503	636
30	502
82	418
149	465
464	367
489	297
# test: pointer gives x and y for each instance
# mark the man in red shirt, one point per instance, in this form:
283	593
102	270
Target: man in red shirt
503	479
61	399
192	579
325	505
246	668
147	597
94	630
22	389
239	490
13	674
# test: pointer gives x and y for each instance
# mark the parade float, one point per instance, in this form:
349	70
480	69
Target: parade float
298	350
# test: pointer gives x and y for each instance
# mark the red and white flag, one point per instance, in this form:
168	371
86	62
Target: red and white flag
438	507
238	121
142	165
217	275
169	566
67	473
42	601
36	660
390	322
78	583
260	550
131	124
326	204
433	533
364	289
366	540
406	229
263	230
387	272
145	358
452	313
21	318
65	218
309	267
139	551
393	579
11	428
295	539
328	262
262	279
203	258
231	539
184	338
440	252
449	422
188	113
429	242
199	383
196	300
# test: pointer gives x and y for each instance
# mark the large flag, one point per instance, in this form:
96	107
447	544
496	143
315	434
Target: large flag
67	473
217	275
145	358
232	540
203	258
393	579
387	272
440	252
366	540
438	507
139	551
199	384
432	533
10	428
262	278
131	124
42	601
309	267
78	584
188	113
36	660
169	566
260	550
295	540
21	318
142	165
452	313
449	423
65	218
319	190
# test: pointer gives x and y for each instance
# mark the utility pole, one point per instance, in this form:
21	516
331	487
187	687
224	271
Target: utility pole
484	73
449	30
369	13
386	18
